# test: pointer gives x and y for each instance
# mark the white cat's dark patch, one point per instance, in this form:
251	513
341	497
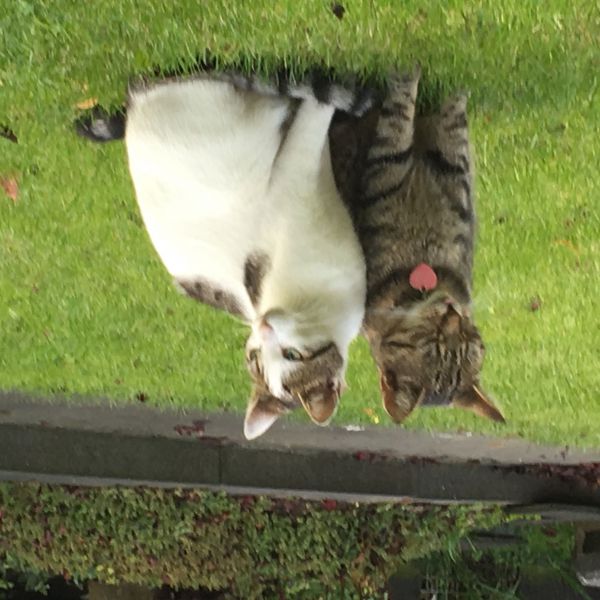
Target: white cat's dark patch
255	269
207	293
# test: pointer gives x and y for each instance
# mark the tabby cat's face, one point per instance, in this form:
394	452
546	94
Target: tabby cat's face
429	356
288	370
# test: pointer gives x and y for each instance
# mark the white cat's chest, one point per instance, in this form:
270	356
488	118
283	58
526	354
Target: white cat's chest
217	182
200	160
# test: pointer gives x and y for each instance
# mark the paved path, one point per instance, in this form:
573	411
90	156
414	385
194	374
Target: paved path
94	444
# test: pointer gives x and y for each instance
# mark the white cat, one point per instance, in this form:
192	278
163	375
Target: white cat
237	194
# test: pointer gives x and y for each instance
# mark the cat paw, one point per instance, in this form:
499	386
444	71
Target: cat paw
405	84
455	104
350	95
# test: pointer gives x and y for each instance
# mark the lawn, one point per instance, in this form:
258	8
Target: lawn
85	305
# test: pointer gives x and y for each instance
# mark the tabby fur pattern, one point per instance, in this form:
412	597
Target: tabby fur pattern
412	200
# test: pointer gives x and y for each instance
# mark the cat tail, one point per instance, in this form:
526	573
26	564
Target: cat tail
98	125
351	96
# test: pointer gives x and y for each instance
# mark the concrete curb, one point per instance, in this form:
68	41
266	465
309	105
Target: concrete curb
93	444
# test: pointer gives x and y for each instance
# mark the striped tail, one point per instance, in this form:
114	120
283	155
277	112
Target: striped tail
98	125
349	97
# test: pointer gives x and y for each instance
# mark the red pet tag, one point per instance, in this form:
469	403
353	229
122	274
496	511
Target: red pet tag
423	278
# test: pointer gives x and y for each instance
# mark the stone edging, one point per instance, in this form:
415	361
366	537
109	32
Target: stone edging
93	444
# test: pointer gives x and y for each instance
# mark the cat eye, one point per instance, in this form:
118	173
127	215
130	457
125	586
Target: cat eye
253	363
291	354
395	344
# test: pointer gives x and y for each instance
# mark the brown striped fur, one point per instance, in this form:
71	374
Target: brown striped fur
413	203
313	386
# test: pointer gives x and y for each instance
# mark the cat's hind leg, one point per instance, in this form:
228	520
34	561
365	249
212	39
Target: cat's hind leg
304	151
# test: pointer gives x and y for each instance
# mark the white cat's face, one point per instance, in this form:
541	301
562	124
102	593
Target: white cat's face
291	366
283	344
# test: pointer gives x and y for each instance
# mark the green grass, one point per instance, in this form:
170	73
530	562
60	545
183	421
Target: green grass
85	306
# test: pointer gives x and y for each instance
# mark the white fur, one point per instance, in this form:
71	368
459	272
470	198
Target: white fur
258	421
215	183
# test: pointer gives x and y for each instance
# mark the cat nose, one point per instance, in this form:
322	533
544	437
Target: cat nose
451	322
436	399
462	310
452	307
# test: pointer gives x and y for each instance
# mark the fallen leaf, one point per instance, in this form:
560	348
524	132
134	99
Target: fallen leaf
11	187
329	504
87	103
246	501
338	10
372	415
365	455
498	444
199	425
7	133
197	429
535	304
567	244
141	397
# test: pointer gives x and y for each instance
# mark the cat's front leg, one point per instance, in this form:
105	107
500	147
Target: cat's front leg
390	156
304	147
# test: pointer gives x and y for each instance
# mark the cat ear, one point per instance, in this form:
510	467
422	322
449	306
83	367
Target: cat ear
476	401
398	399
263	410
321	403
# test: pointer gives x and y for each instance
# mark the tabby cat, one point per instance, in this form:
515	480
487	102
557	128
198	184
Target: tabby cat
237	193
415	218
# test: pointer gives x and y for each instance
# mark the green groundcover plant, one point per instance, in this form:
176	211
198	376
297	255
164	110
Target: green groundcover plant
495	574
252	546
256	547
